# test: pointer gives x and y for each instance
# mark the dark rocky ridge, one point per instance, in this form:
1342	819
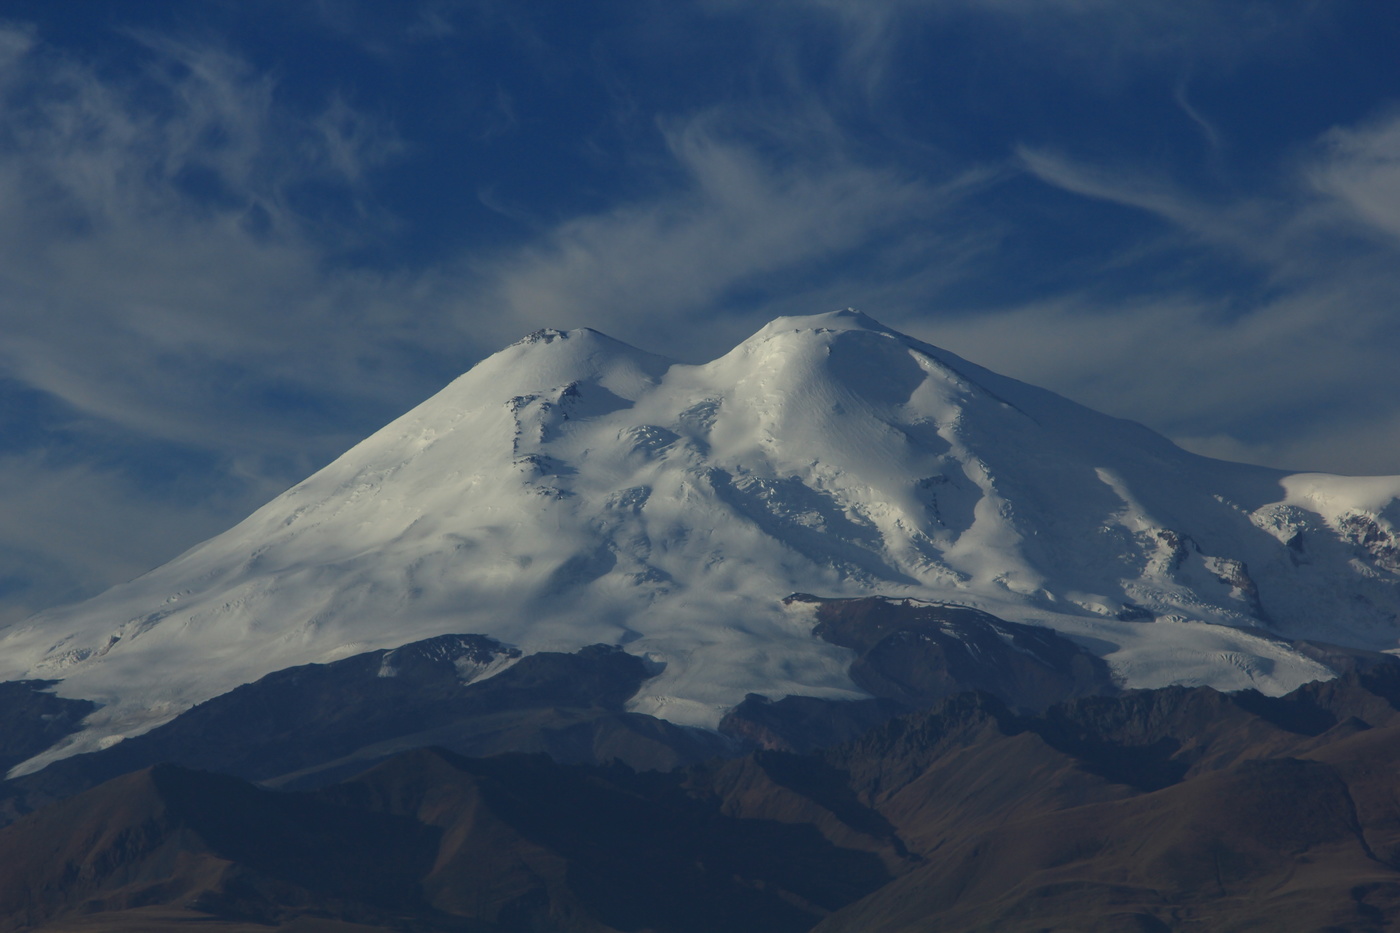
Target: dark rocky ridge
1231	814
427	841
1047	800
318	723
916	652
311	725
33	719
911	654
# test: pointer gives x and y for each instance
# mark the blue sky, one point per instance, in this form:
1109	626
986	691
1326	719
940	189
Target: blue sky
236	237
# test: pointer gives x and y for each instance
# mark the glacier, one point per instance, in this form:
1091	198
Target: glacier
572	490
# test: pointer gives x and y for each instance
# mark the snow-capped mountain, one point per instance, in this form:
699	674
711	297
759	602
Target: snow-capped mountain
572	490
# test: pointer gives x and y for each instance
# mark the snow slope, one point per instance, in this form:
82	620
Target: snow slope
571	490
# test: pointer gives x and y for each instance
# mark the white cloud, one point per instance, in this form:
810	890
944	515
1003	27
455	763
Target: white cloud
68	531
650	271
1099	40
1311	360
161	274
1360	167
1175	362
1259	229
156	268
164	269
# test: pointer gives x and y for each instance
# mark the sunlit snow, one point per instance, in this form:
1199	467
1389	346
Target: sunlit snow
571	490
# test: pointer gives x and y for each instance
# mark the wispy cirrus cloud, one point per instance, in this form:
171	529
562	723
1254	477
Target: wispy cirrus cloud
1359	167
169	234
1102	42
183	241
738	224
1296	371
172	276
156	226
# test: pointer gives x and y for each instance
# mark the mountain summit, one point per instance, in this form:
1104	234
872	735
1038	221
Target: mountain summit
571	490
